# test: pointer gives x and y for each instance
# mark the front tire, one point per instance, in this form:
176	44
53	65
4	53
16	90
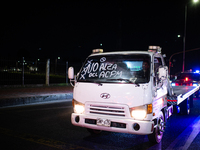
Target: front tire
197	94
157	134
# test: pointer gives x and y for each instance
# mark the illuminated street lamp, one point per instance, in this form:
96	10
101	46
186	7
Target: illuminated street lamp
195	1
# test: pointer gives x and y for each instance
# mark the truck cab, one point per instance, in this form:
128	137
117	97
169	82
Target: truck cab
122	92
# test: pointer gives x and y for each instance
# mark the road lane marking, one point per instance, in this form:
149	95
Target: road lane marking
41	140
190	139
187	136
195	132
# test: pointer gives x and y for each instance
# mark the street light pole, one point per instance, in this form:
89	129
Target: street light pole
184	37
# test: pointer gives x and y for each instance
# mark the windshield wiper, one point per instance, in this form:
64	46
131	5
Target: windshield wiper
92	81
99	83
126	80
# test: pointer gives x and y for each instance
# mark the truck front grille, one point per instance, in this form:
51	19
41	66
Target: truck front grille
107	110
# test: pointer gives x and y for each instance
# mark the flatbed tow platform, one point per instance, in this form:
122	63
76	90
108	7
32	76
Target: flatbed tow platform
181	93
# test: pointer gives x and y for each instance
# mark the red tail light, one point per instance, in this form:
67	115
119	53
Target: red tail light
176	84
186	79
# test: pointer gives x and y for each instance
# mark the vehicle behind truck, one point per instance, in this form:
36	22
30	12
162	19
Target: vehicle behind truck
187	79
125	92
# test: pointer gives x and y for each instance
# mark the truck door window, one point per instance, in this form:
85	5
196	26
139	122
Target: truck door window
157	64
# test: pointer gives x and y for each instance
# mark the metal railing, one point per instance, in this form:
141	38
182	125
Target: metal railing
22	71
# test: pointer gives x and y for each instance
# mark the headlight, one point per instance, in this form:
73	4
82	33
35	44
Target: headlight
195	84
141	112
173	84
79	108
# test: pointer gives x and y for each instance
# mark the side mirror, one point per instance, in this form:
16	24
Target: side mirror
163	72
71	73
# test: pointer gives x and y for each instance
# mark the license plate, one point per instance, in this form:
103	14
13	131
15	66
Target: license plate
103	122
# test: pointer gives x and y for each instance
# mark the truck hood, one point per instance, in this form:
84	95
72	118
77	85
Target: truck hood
129	94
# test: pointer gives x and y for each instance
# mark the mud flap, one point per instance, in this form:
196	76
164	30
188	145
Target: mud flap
169	111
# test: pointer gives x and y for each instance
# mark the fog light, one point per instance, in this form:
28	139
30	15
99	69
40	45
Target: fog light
136	126
77	119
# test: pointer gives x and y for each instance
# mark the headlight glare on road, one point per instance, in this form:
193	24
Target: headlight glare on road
79	108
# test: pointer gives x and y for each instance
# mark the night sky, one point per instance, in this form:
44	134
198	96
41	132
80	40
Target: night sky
71	29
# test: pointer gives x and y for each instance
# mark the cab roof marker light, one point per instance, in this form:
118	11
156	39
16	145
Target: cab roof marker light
97	51
155	49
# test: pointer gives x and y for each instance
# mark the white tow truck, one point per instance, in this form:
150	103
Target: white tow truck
127	92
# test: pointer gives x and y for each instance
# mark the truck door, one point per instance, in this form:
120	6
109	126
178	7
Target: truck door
161	90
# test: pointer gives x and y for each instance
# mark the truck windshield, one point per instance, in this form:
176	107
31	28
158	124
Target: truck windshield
116	68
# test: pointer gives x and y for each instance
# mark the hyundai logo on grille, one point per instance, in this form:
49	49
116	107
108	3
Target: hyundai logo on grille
105	95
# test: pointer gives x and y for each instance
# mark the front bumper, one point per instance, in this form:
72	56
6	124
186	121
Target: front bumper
122	125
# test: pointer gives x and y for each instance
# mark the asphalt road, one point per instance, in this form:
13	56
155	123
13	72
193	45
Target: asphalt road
48	126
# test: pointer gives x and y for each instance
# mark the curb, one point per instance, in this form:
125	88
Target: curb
36	99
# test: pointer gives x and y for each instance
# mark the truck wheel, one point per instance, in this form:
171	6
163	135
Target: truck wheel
197	94
157	134
94	132
185	107
176	109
